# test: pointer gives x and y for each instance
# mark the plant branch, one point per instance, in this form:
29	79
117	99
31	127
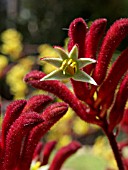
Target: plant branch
114	146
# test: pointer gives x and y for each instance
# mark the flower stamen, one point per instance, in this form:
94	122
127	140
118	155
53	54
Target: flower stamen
69	66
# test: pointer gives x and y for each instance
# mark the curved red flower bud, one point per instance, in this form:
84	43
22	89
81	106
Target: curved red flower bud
107	89
16	136
92	40
12	113
37	103
50	116
57	88
38	150
48	148
114	36
117	111
63	154
77	34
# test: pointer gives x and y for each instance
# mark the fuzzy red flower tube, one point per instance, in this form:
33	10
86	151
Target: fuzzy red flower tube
63	154
12	113
14	141
102	104
24	124
48	148
50	116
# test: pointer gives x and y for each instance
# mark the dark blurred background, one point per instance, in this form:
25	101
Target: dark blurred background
45	21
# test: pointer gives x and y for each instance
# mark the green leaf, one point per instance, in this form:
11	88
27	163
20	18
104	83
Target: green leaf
74	53
61	53
55	75
54	61
84	77
82	62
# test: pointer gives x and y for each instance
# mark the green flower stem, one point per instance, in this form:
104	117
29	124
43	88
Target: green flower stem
114	146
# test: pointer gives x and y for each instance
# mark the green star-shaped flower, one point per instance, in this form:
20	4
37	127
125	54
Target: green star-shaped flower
69	66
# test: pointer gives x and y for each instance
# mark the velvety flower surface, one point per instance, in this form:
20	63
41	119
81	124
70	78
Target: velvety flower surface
100	95
24	124
104	104
85	43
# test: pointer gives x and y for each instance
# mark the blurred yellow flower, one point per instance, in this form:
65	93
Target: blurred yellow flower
102	149
35	165
15	77
12	44
3	62
47	50
10	35
80	127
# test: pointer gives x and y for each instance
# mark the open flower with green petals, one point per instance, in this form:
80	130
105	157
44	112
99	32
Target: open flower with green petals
69	66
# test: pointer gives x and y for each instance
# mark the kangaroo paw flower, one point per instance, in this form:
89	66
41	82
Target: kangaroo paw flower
77	34
92	40
50	116
12	113
115	74
63	154
37	103
69	66
17	132
114	36
57	88
118	109
48	148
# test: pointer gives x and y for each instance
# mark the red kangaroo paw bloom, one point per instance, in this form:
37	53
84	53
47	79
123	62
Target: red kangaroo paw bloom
92	40
77	34
50	116
37	150
57	88
12	113
117	110
107	89
60	90
37	103
114	36
48	148
63	154
15	137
